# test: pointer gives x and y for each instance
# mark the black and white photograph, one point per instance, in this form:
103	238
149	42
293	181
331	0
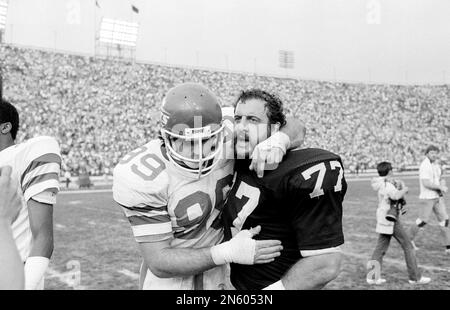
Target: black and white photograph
237	146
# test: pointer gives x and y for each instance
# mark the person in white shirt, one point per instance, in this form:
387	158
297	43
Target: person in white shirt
11	267
390	192
431	189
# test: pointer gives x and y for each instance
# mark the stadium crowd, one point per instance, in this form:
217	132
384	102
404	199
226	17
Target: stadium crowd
99	109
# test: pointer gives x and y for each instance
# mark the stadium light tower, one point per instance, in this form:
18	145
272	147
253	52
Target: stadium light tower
286	60
117	38
3	11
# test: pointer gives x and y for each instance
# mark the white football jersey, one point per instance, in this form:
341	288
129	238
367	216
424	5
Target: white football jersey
36	165
163	203
428	171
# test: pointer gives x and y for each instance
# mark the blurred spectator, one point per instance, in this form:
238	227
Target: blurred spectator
67	177
100	109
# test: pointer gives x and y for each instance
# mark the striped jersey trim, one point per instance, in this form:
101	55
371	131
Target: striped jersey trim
153	238
152	229
145	208
39	179
144	220
45	186
129	213
42	160
43	169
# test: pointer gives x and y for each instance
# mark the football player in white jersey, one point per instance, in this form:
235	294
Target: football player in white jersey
35	166
172	191
431	189
11	268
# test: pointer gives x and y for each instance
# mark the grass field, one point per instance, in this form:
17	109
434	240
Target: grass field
92	231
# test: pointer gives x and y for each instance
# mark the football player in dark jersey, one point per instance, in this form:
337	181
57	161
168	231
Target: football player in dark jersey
299	203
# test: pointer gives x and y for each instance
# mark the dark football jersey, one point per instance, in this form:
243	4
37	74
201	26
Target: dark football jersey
299	203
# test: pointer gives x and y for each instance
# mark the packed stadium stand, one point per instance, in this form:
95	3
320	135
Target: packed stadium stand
99	109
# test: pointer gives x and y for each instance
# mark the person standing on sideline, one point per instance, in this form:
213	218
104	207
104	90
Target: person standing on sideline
390	191
430	191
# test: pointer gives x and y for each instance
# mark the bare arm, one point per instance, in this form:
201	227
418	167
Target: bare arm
313	272
166	262
41	223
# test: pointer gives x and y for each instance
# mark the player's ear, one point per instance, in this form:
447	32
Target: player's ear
5	128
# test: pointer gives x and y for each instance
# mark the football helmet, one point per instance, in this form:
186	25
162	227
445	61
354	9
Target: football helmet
192	113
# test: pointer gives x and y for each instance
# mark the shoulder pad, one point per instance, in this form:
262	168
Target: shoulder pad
141	177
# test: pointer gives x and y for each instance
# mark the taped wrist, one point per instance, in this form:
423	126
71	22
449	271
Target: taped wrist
241	249
35	268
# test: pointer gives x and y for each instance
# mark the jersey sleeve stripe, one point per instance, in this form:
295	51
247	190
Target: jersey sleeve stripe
145	208
40	179
50	185
129	213
152	229
43	169
144	220
154	238
42	160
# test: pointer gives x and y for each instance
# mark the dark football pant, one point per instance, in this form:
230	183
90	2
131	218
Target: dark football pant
402	237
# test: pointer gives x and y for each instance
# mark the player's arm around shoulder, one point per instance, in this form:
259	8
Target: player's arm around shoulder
295	129
269	153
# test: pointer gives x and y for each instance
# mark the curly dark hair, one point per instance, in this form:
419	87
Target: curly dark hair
9	114
274	105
